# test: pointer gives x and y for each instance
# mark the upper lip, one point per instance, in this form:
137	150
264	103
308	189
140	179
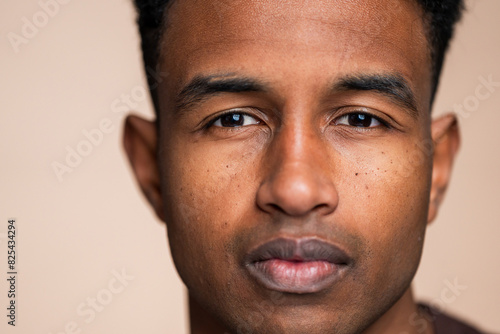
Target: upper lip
304	249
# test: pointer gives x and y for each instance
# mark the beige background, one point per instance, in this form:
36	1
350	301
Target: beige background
73	234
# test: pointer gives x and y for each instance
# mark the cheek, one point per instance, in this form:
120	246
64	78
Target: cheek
207	189
384	195
210	185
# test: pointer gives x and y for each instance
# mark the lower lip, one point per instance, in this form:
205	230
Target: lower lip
295	276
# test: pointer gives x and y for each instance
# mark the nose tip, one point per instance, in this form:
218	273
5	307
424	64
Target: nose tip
297	189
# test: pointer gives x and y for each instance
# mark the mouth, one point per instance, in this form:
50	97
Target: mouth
297	266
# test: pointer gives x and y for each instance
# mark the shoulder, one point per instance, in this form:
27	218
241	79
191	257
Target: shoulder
445	324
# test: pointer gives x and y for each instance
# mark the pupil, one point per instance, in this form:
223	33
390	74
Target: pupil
360	120
231	120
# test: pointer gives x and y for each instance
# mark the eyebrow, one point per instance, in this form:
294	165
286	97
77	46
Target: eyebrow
203	87
393	86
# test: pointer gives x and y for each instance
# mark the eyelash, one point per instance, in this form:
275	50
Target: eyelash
382	122
230	112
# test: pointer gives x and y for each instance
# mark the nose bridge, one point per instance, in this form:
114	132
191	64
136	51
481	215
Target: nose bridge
297	181
297	146
299	141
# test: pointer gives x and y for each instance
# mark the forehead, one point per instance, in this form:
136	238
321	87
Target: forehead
291	40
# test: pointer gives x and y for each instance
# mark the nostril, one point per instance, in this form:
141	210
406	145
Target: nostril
324	208
275	207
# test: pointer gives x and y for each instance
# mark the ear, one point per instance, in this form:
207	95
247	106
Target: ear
140	142
446	138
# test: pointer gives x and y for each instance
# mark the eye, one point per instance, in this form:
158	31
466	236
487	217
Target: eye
234	119
359	120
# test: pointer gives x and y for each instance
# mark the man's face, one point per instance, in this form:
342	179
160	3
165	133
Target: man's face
294	173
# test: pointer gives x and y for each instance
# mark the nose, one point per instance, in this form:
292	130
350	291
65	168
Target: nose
298	178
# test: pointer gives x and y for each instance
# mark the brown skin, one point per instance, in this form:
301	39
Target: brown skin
295	168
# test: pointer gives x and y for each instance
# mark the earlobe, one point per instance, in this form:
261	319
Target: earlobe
446	138
140	143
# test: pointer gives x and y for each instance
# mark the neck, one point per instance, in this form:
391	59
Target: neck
403	317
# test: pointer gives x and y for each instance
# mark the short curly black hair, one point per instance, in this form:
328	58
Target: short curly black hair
441	17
